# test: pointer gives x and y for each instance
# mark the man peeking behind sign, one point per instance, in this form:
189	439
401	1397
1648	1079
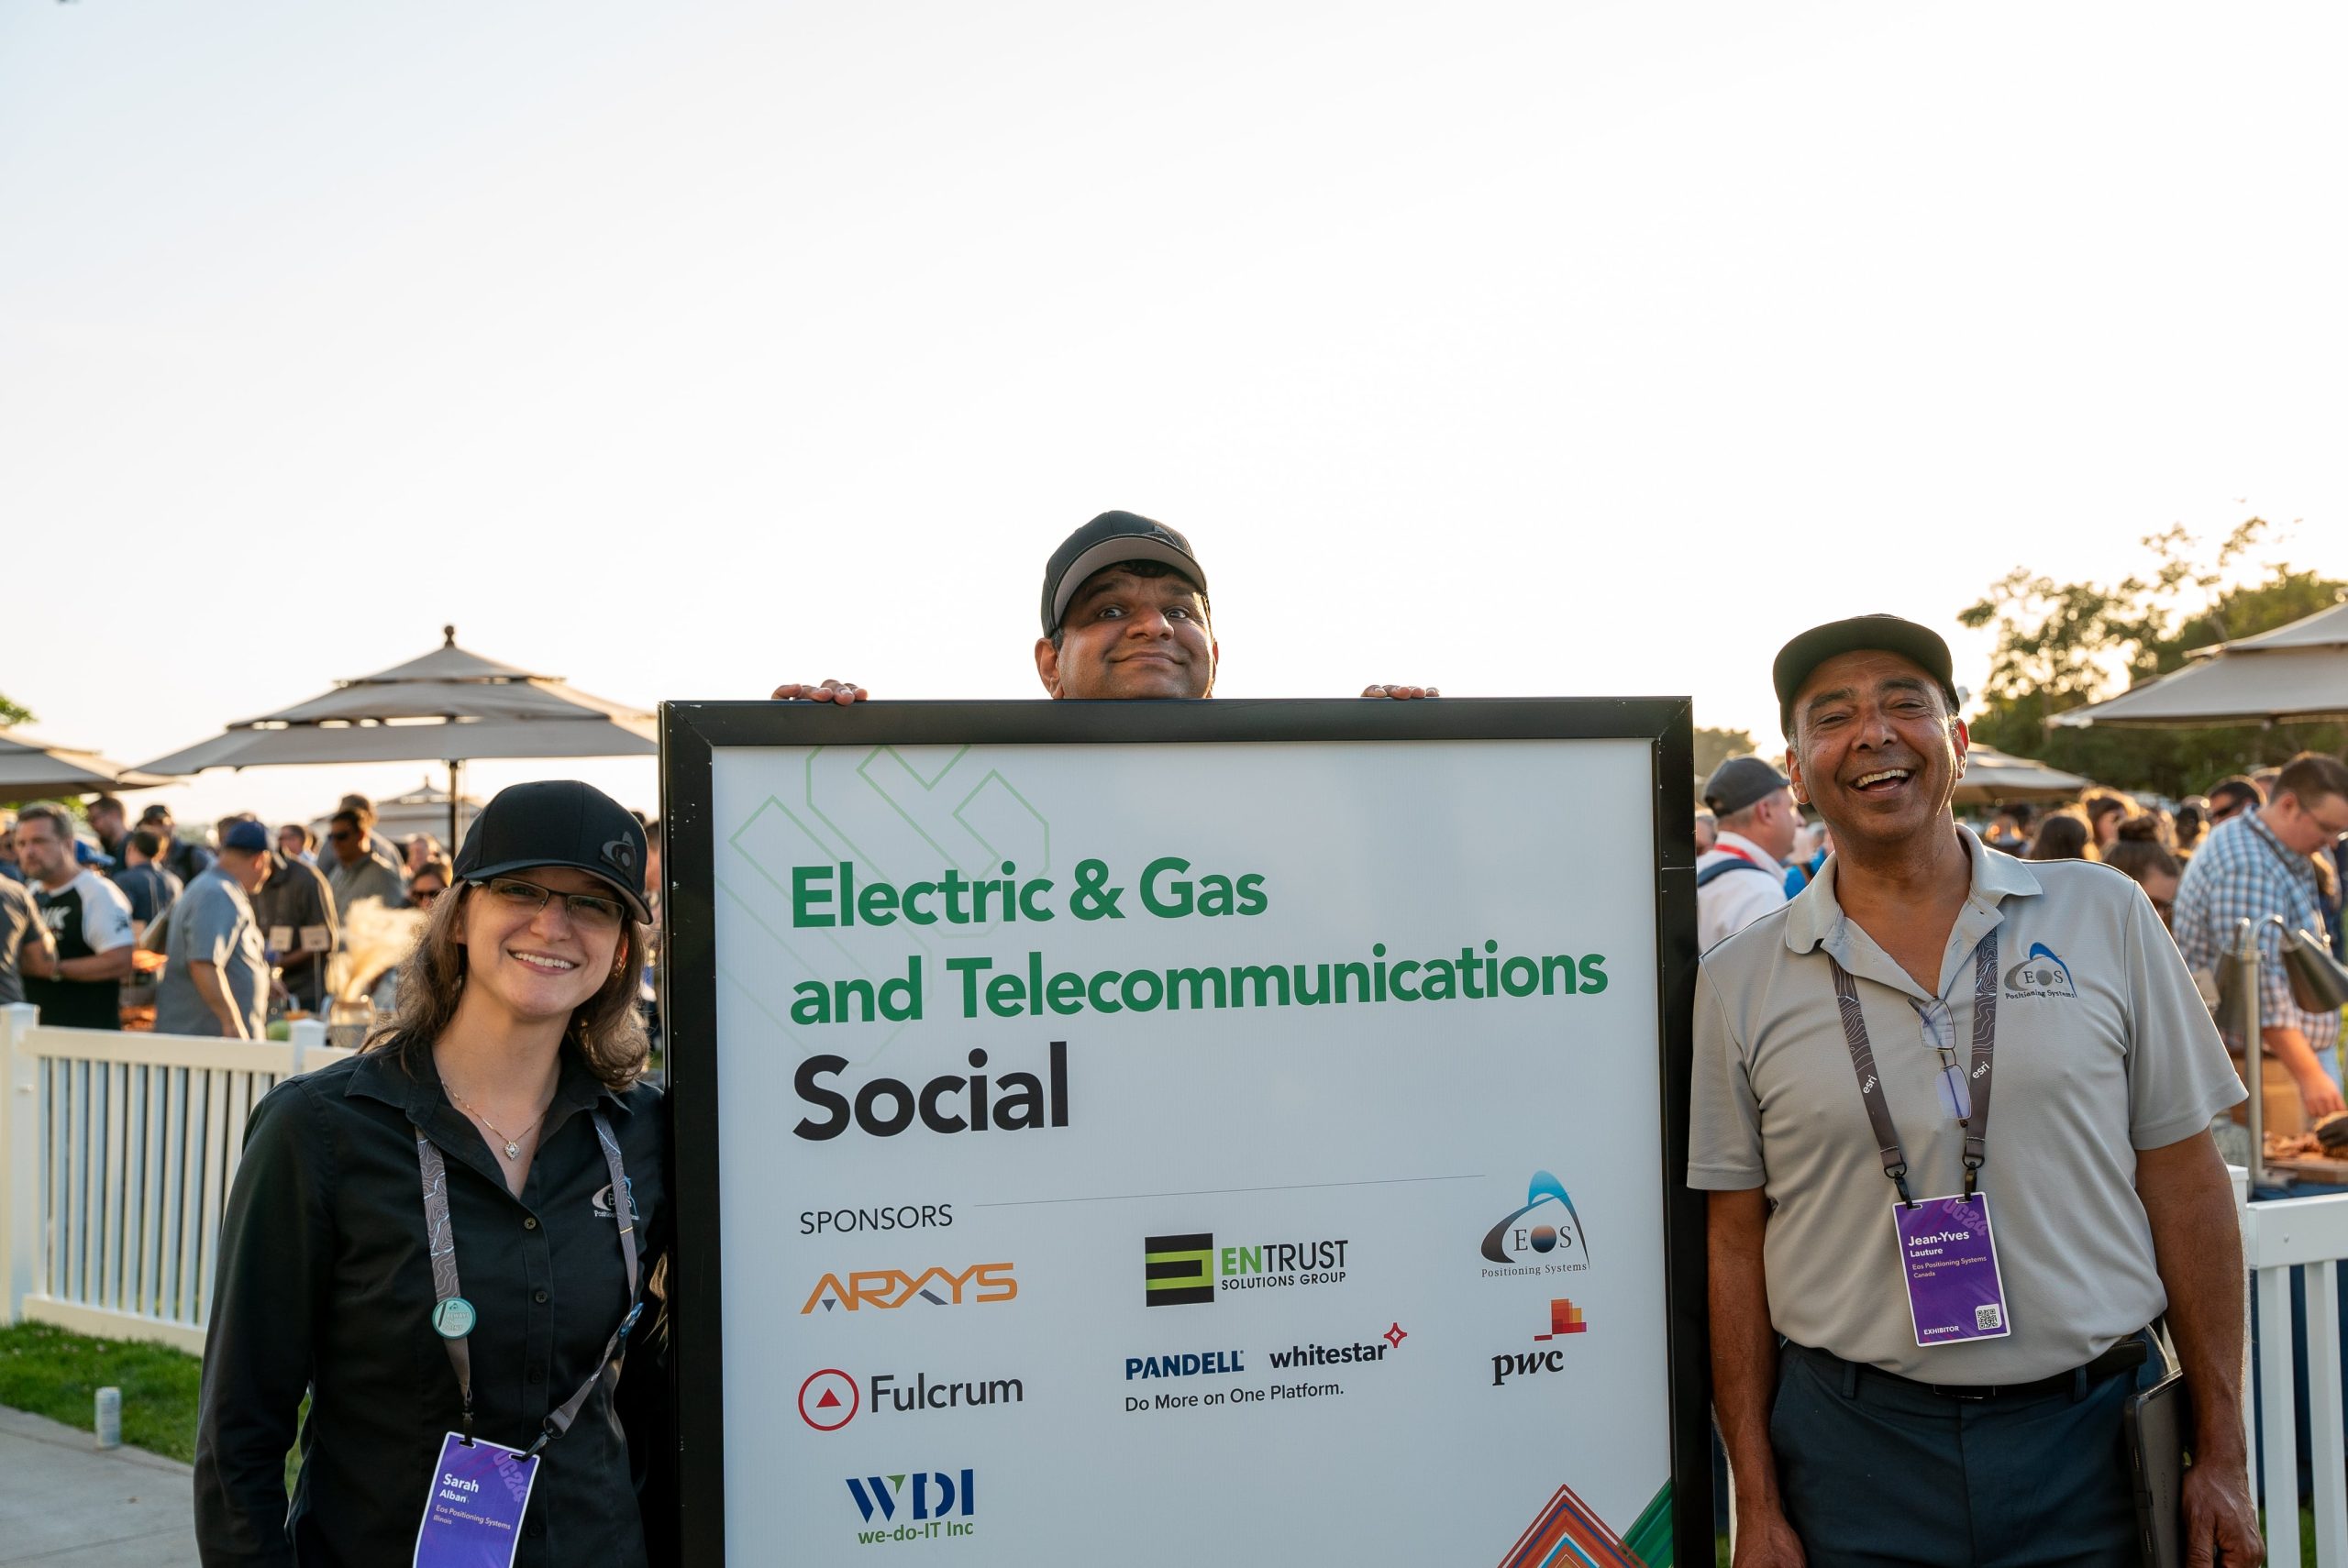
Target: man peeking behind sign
1126	616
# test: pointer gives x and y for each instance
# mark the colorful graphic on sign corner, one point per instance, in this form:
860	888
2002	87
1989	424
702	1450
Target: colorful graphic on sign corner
1542	1236
1568	1534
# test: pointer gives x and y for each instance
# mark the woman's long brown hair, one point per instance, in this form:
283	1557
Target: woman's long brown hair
604	1030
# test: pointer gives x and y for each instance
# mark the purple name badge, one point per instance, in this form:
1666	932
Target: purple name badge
1950	1262
473	1516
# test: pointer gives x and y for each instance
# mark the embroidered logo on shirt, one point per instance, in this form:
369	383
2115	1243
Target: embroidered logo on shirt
2043	974
603	1204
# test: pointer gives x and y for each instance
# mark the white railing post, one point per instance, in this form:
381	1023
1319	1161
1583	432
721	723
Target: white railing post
19	1160
2242	1221
307	1034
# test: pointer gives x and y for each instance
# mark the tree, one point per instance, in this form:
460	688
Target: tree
1716	746
2062	645
12	714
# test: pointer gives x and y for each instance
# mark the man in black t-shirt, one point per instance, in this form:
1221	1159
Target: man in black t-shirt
80	986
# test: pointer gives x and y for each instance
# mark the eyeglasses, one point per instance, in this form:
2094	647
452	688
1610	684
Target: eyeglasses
422	897
592	911
341	835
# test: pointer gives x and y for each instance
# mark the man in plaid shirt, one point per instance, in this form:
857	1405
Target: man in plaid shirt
2259	864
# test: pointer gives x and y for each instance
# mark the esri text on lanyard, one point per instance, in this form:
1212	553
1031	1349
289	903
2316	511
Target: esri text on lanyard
1947	1254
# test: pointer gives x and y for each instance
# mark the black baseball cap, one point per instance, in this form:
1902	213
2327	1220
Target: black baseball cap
1738	782
558	822
1109	538
1887	633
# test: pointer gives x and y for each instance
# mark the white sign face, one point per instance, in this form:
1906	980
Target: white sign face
1158	1153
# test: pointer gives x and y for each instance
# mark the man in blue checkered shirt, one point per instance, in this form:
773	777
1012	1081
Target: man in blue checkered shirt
2255	864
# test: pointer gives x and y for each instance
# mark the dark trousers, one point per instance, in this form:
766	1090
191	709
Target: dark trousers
1880	1474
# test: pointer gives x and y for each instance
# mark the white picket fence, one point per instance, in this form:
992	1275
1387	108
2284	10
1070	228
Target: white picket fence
2311	1234
116	1151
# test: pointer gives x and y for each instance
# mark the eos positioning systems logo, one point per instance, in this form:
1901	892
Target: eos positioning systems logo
2043	974
931	1503
1543	1237
1187	1270
890	1288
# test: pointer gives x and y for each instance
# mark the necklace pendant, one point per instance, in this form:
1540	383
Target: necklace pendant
513	1150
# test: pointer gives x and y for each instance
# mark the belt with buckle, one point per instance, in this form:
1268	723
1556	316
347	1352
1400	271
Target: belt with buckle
2126	1356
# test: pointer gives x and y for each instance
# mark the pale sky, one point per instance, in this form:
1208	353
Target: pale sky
683	349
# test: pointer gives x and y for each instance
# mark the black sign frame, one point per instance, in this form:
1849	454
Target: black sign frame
691	732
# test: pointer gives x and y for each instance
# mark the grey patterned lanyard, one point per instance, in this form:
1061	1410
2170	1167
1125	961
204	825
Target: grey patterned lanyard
452	1315
1985	1041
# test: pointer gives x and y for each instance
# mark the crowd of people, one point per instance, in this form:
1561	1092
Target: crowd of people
111	924
1842	907
2272	843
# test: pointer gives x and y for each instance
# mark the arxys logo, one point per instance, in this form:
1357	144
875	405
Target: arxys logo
1545	1231
2043	974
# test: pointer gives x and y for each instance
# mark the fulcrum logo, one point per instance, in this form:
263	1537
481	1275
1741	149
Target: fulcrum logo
2043	974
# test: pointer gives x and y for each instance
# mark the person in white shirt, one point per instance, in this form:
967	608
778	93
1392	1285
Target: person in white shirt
1742	875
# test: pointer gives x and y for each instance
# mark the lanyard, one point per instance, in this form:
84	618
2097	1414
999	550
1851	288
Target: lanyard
1985	1039
452	1315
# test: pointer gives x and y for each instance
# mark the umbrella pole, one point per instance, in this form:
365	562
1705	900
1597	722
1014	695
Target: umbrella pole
455	769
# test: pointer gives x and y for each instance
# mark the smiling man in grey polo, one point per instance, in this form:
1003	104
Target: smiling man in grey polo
1925	1326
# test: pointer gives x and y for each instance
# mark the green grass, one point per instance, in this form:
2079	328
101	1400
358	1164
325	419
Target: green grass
58	1374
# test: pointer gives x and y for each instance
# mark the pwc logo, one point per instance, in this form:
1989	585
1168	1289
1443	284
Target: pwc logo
890	1288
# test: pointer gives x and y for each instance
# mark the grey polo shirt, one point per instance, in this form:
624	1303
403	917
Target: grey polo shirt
211	923
2103	1048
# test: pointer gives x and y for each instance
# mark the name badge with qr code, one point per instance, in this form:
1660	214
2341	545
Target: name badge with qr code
1949	1258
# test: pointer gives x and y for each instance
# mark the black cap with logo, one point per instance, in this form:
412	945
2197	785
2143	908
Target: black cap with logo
1109	538
558	822
1887	633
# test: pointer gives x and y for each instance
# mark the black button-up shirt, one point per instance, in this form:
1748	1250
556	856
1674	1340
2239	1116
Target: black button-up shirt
325	1283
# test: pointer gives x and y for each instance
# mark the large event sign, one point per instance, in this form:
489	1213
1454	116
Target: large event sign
1166	1133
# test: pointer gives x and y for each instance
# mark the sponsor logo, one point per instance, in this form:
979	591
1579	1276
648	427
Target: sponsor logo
1188	1270
602	1202
831	1398
952	1102
920	1506
828	1400
2043	974
895	1216
1185	1363
1565	1317
890	1288
1544	1236
1297	1357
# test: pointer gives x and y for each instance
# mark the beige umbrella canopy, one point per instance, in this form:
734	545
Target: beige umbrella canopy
32	769
2293	674
1991	775
450	706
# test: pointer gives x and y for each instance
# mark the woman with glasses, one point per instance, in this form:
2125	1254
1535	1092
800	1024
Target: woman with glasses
428	882
445	1239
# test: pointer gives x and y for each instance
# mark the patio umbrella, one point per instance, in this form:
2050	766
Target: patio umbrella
2296	674
450	706
30	770
1991	775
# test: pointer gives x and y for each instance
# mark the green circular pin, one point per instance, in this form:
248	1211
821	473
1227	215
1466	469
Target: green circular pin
454	1318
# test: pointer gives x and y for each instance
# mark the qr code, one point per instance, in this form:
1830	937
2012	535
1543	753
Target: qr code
1987	1317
